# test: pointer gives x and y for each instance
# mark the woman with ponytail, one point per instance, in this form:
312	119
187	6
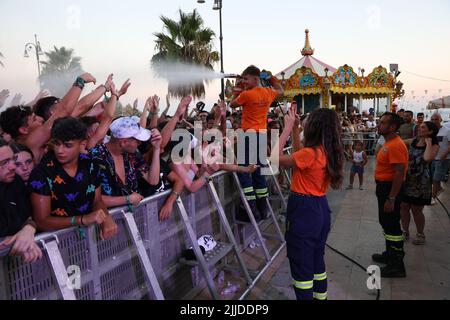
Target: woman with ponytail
318	165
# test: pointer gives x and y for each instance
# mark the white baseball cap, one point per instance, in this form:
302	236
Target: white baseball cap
207	242
128	127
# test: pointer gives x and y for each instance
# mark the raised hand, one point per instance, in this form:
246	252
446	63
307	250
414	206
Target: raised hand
88	78
123	90
148	104
154	107
168	100
135	104
4	94
182	107
17	99
289	119
112	88
108	82
223	108
156	138
42	94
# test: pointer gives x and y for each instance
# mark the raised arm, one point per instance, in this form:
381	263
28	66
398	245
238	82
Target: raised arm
152	176
39	96
107	118
431	150
289	121
296	131
90	99
41	135
164	113
276	85
166	133
4	94
153	112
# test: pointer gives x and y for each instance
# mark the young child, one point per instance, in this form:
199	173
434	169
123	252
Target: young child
359	161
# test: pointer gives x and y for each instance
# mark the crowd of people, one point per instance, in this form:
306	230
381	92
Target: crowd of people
65	161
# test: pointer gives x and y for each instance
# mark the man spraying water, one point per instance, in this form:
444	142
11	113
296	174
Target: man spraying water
255	101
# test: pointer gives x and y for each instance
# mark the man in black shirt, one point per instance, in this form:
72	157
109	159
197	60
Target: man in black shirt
65	186
15	210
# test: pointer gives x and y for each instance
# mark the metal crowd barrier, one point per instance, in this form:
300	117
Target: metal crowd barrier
115	268
369	140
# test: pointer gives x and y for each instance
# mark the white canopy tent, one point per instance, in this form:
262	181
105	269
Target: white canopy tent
441	103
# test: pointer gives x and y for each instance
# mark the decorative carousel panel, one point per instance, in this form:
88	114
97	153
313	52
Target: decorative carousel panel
362	91
295	92
303	79
380	78
345	77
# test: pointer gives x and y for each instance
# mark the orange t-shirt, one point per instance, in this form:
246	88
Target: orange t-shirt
393	152
256	103
310	173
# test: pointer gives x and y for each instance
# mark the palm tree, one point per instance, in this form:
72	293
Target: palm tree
185	41
60	70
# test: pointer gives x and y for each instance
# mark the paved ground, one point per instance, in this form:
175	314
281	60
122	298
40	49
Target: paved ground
357	233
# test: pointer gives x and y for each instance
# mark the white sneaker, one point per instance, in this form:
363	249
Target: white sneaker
349	187
433	201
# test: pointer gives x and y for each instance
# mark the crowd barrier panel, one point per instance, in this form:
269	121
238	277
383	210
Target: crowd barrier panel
111	269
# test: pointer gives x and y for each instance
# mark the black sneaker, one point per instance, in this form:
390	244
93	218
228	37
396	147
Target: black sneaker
395	269
381	258
242	214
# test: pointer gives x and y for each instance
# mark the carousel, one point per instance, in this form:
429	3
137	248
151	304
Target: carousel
313	84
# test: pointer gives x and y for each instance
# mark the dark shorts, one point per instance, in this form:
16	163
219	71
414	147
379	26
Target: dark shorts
357	169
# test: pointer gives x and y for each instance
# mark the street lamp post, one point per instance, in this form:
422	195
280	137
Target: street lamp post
218	6
38	50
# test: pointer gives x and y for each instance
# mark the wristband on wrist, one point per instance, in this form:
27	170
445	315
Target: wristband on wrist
72	221
81	220
129	205
115	95
104	87
79	82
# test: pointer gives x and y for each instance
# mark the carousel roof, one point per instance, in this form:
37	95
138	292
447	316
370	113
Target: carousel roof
307	61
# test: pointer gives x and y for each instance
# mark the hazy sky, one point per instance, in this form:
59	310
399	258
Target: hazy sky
117	37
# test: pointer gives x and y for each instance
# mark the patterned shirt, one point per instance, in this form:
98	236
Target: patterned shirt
70	196
112	185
